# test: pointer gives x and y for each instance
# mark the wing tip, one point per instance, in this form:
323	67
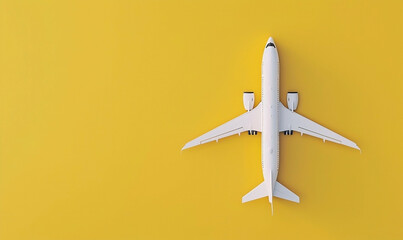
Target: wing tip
189	145
356	147
186	146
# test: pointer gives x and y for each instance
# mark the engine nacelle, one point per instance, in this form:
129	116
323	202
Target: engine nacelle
248	100
292	100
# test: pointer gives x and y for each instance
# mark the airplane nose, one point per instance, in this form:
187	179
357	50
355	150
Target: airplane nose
270	43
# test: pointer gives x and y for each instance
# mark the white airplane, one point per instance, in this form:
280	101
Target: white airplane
270	117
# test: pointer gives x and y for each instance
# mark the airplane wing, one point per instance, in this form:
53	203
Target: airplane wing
289	120
251	120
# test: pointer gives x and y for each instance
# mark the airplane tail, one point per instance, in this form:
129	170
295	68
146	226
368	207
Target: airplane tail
263	190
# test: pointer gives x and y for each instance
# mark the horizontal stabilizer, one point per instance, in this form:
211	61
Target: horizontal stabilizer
282	192
258	192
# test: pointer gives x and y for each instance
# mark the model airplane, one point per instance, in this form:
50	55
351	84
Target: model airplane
270	117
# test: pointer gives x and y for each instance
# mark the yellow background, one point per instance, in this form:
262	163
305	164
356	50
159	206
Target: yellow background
98	97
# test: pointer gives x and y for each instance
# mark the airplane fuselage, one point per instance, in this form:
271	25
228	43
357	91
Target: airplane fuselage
270	100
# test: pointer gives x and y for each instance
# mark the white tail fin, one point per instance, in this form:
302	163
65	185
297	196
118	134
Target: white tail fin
282	192
265	190
258	192
262	190
270	190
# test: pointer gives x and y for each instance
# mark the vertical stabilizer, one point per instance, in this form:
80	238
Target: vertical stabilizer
270	190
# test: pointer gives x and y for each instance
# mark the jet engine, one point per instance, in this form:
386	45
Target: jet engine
248	100
292	100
